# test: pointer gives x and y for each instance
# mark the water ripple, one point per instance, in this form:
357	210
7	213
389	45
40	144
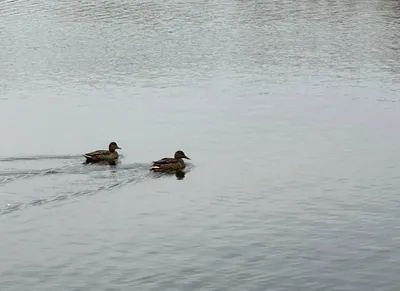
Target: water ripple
129	173
14	206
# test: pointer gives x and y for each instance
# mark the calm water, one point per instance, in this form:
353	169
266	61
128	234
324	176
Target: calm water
290	111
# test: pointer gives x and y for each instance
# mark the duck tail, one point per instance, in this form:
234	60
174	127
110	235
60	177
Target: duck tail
88	158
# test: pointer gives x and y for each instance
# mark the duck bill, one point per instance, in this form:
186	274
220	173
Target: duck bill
186	157
119	148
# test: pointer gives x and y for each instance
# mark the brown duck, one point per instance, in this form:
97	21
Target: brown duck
170	164
104	156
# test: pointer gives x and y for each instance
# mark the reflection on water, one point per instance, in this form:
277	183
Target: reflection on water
290	108
180	175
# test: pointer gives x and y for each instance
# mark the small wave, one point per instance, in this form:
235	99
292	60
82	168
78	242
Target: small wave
37	158
16	175
11	176
6	180
24	172
140	173
12	207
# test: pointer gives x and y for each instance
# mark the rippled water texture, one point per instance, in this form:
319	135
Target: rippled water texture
289	111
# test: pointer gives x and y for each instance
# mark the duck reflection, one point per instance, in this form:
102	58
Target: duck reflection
180	175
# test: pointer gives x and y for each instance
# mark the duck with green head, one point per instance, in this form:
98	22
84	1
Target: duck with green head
170	164
103	156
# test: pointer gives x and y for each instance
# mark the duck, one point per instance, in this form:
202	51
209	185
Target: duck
170	164
103	156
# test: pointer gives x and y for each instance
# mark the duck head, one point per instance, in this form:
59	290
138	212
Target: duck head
113	146
181	155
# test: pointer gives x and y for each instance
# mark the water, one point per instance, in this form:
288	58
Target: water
289	111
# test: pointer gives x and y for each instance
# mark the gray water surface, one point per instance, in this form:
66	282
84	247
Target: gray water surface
289	111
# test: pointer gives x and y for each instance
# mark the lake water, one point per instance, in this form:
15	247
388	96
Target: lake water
289	111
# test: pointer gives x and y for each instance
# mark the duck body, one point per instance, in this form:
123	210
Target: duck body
170	164
103	156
